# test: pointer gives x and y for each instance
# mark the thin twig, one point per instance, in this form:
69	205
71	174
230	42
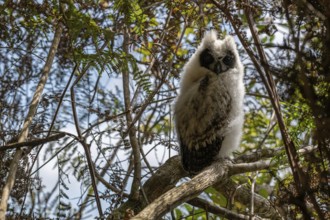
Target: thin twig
32	143
253	180
85	146
75	139
217	210
108	185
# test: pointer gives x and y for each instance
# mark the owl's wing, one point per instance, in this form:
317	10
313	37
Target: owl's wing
194	160
201	121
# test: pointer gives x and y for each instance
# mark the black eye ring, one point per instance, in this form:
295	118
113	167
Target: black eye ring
206	58
229	59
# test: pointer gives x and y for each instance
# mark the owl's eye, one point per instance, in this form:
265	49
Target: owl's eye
206	58
229	59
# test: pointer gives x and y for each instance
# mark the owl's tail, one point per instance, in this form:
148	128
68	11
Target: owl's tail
194	160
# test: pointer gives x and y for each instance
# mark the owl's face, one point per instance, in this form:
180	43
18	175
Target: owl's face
215	58
217	63
217	55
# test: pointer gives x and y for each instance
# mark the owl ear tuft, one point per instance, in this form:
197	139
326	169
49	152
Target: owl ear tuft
229	40
210	37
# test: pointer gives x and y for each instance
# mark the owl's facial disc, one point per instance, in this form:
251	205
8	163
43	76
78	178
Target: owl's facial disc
217	65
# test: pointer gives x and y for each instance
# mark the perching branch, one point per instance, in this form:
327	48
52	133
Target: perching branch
161	181
28	120
218	171
167	176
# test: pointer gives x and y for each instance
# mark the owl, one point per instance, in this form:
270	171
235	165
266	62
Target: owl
208	111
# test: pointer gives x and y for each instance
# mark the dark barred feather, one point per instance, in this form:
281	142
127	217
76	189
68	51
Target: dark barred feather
194	160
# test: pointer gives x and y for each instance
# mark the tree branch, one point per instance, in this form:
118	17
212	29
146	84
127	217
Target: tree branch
218	171
161	181
134	194
86	147
32	143
217	210
293	158
167	176
108	185
234	191
28	120
269	153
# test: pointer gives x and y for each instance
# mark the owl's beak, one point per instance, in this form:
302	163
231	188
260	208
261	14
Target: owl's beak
217	68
